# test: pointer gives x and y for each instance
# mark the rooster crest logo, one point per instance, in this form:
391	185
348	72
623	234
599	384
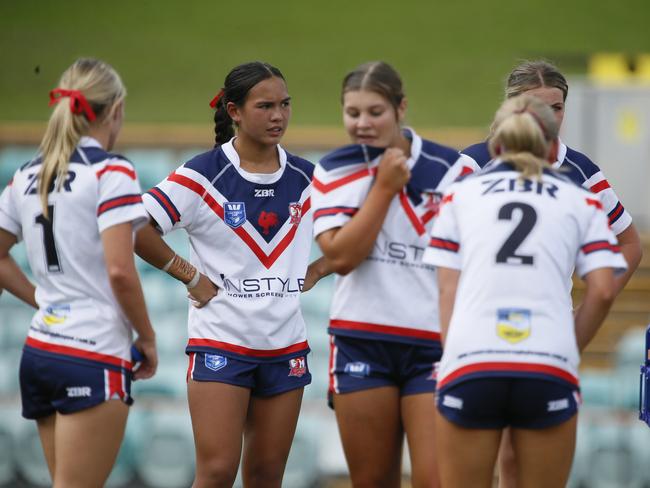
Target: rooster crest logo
267	220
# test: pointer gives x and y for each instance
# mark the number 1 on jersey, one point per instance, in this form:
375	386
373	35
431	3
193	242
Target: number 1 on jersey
51	256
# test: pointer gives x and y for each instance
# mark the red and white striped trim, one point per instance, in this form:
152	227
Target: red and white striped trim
190	367
333	185
78	353
246	351
116	168
333	386
114	384
266	259
384	329
506	366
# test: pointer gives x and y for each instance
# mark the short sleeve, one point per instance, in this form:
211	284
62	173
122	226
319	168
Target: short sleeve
9	216
337	196
619	219
599	247
173	202
444	246
120	198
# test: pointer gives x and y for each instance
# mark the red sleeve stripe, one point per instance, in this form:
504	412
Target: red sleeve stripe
600	186
120	169
444	244
333	185
167	205
325	212
122	201
600	246
595	203
615	214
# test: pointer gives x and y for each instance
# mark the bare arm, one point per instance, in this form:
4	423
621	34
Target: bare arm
154	250
118	254
12	277
599	295
317	270
632	251
447	286
346	247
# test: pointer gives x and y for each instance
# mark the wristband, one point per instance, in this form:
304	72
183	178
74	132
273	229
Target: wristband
194	281
166	267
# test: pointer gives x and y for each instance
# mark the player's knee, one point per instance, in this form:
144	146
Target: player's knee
215	473
264	475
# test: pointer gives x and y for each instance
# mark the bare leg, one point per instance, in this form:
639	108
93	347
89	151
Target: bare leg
46	433
466	457
507	461
418	418
371	432
544	456
86	444
270	427
218	412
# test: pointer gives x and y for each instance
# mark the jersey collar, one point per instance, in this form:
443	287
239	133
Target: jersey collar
416	146
561	154
87	141
263	178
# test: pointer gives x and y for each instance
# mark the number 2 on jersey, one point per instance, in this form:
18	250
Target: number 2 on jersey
508	252
51	256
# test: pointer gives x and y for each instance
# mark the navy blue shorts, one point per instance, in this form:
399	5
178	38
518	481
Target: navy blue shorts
359	364
49	385
495	403
263	379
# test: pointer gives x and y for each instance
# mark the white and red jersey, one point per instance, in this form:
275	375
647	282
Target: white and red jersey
516	242
251	235
376	300
579	169
79	317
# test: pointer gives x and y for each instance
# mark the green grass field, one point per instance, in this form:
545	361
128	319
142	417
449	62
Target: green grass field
173	56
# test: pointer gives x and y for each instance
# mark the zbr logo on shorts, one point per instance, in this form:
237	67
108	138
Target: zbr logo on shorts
215	362
295	212
357	369
297	366
513	324
234	213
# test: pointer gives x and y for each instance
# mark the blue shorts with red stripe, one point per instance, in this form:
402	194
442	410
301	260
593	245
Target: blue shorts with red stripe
49	384
498	402
262	378
359	364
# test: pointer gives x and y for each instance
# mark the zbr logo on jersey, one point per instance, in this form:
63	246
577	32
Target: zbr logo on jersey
234	213
295	212
513	324
297	366
215	362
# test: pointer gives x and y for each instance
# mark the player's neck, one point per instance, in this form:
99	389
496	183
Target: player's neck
255	157
101	134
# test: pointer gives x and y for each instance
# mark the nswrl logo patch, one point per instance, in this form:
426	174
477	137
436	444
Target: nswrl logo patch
513	324
234	213
215	362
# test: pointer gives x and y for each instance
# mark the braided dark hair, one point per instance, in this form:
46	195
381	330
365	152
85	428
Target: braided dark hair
236	86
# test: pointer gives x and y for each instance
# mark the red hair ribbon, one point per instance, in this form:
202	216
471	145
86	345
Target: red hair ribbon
216	99
78	103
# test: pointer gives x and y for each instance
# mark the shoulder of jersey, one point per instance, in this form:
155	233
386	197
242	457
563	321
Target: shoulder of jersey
437	152
478	152
350	155
300	164
576	161
91	155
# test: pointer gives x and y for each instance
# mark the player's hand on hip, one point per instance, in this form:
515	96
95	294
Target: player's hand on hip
149	362
393	172
203	292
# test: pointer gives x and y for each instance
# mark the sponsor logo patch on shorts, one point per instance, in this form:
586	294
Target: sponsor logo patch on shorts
297	366
557	405
215	362
79	391
452	402
357	369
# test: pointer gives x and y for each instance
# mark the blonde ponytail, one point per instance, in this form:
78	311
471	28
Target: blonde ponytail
522	133
94	89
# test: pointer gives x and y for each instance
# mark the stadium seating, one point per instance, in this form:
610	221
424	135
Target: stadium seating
608	67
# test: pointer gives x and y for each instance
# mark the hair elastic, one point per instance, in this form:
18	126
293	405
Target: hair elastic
78	102
215	100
